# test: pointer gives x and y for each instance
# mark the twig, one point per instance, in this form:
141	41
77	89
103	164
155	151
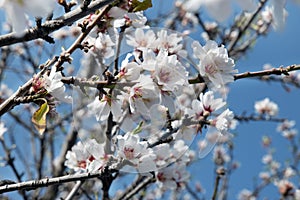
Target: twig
74	190
220	172
274	71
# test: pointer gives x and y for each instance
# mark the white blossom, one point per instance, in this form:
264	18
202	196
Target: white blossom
223	121
102	108
132	149
86	156
173	177
170	42
140	39
104	46
130	71
214	63
266	107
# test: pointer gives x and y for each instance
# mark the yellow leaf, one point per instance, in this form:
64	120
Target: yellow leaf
39	117
140	5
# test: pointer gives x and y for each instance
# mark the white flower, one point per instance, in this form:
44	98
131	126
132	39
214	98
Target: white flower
214	63
136	19
210	103
102	108
169	42
132	149
87	156
168	72
223	121
142	96
16	11
104	46
55	86
3	129
141	40
266	107
130	71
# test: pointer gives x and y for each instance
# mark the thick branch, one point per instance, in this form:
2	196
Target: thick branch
52	25
33	184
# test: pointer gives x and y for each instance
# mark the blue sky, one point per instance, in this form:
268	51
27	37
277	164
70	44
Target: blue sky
278	48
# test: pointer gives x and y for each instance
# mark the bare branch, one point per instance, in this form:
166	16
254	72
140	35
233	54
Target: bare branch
34	184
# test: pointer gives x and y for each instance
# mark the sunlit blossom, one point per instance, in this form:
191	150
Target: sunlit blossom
214	63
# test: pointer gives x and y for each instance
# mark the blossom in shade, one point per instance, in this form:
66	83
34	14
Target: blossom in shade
16	11
104	46
266	107
140	39
214	64
173	177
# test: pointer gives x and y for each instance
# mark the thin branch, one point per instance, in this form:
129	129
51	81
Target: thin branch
10	162
191	192
136	188
274	71
9	103
52	25
220	172
243	118
74	190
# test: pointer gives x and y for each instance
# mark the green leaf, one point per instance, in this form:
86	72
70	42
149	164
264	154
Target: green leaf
139	128
140	5
39	117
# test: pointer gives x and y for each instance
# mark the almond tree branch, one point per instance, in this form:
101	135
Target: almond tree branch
52	25
274	71
34	184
